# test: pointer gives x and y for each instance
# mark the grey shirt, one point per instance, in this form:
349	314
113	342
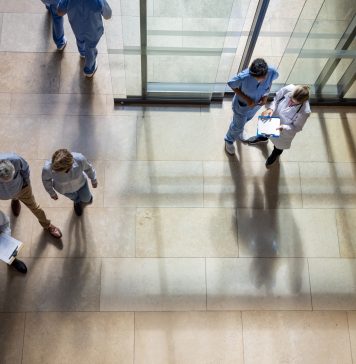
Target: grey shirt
68	182
10	189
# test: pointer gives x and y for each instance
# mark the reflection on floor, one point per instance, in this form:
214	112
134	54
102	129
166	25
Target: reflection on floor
186	255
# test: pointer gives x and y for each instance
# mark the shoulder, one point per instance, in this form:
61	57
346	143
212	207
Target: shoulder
78	156
47	167
306	108
273	72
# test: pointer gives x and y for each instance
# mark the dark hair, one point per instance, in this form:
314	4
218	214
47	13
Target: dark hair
258	68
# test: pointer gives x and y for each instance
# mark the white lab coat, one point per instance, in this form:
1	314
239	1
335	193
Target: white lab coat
292	119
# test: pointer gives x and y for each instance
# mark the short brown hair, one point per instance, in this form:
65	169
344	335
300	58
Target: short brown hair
301	93
62	160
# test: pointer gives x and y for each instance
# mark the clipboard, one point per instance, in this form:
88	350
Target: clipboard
267	126
9	248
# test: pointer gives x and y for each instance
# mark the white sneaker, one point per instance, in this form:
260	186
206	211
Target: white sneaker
89	75
62	47
243	136
229	147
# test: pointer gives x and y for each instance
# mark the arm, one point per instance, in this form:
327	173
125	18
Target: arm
5	224
24	169
88	170
248	100
47	181
298	124
106	12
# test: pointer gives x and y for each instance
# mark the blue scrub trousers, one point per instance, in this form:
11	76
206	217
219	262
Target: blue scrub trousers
57	27
89	51
82	195
241	116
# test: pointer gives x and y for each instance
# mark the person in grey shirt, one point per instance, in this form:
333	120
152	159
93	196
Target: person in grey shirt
15	185
67	174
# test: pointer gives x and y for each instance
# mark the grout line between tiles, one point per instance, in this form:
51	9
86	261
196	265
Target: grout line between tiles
243	338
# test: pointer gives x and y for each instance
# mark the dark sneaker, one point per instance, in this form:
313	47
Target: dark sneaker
271	159
15	207
78	209
257	139
19	265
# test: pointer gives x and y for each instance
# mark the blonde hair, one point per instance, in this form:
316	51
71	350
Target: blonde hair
62	160
301	93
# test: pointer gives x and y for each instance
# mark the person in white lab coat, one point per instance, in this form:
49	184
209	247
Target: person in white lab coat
17	264
292	106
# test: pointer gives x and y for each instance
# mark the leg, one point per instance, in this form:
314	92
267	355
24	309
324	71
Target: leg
257	139
236	128
57	28
84	193
26	197
90	58
81	47
273	157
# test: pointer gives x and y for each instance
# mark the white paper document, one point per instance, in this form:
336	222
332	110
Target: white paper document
267	126
9	247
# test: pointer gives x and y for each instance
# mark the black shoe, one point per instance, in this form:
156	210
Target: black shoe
78	209
271	159
257	139
19	266
15	207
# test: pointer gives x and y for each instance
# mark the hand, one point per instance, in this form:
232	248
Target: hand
267	112
263	100
54	197
250	102
94	183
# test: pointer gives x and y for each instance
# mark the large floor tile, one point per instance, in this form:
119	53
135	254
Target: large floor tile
79	338
11	337
260	283
296	337
97	137
352	329
342	148
5	103
182	232
287	233
188	337
233	184
333	285
45	200
162	284
57	104
346	228
29	72
99	232
165	137
73	81
20	134
51	285
304	148
151	184
31	6
338	187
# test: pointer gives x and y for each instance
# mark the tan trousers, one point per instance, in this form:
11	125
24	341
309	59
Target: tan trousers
26	197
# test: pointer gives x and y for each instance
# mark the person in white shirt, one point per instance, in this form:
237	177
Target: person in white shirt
291	105
17	264
67	174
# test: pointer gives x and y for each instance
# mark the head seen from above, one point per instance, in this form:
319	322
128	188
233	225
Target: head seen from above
259	69
300	94
62	161
7	171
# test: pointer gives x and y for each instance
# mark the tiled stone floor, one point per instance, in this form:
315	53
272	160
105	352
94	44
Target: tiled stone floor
186	256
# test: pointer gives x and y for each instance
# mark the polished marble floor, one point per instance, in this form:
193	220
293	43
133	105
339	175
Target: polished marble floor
186	255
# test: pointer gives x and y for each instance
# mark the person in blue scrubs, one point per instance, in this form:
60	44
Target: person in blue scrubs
57	24
251	87
85	18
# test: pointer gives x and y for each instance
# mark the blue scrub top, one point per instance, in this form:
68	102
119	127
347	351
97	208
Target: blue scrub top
251	87
84	17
